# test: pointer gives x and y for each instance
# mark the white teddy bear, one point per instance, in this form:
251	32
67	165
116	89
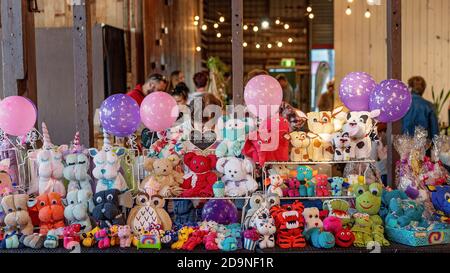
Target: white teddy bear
237	176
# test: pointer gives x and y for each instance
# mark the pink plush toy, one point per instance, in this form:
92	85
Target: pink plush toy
102	238
293	186
125	236
322	185
71	236
210	241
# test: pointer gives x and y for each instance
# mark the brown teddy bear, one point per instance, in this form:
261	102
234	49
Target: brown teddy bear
163	180
17	217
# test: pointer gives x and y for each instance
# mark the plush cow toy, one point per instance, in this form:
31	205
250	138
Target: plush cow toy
343	147
359	126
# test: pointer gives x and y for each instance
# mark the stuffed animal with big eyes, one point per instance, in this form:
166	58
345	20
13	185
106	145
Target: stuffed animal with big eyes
107	211
50	162
17	218
107	167
51	212
77	167
343	147
260	205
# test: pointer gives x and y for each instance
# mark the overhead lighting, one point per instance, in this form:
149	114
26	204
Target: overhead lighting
277	22
367	14
218	35
290	40
265	24
255	28
216	25
204	27
195	23
269	45
280	44
348	11
350	1
311	16
244	44
373	2
257	46
245	27
309	9
198	49
286	26
196	18
222	19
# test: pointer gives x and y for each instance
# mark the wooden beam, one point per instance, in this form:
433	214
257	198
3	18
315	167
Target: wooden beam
394	54
19	50
82	50
237	14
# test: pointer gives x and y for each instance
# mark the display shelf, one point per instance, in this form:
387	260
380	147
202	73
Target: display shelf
318	162
207	198
318	198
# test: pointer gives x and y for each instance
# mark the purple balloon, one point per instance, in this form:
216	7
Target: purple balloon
393	98
120	115
221	211
355	91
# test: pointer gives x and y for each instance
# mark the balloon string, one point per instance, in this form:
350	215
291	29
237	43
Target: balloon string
132	142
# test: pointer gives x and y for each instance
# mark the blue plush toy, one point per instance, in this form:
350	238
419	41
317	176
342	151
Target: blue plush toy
319	239
386	198
233	134
11	241
403	212
440	196
304	173
303	189
337	185
235	230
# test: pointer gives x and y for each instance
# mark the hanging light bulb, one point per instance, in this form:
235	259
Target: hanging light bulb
280	44
367	14
204	27
195	23
309	9
290	40
277	22
198	49
348	11
286	26
350	1
244	44
265	24
255	28
257	45
311	16
218	35
269	45
196	18
216	25
245	27
222	19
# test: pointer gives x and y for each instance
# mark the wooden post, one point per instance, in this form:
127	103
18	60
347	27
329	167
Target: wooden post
394	54
19	50
237	14
82	50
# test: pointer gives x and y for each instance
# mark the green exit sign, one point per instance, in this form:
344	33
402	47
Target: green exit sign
288	62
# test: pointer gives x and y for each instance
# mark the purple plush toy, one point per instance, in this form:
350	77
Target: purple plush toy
223	212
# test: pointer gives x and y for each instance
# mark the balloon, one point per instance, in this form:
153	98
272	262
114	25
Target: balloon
221	211
17	115
393	98
355	91
119	115
159	111
263	96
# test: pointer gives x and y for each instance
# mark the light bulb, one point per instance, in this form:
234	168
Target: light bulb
269	45
280	44
286	26
245	27
218	35
258	46
277	22
255	28
350	1
348	11
311	16
265	24
244	44
216	25
309	9
367	14
198	49
196	18
290	40
195	23
204	27
222	19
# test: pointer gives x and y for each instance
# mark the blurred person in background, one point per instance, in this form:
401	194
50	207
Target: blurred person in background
175	78
288	91
154	83
326	100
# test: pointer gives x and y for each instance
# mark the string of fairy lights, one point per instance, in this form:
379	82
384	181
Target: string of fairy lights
367	13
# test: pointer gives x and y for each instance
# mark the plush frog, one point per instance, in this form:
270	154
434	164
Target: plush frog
362	229
378	235
368	200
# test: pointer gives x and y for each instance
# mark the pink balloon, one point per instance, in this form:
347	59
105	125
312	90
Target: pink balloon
159	111
17	115
263	96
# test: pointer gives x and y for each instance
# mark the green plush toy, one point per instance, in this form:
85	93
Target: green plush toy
233	134
368	200
339	208
362	229
378	235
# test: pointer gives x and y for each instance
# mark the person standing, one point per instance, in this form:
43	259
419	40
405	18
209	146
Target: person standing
154	83
175	78
422	112
288	91
200	81
326	100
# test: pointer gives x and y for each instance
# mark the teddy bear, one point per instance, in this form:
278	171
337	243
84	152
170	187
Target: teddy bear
79	204
314	229
237	176
16	217
163	179
322	185
125	236
275	183
300	143
199	180
266	229
51	212
343	147
293	188
322	126
77	167
233	132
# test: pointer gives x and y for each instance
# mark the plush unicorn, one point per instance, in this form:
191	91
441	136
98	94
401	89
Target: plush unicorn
77	167
107	167
50	162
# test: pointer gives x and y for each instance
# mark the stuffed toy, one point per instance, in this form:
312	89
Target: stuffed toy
6	184
107	210
386	198
237	176
125	236
148	211
378	235
290	225
79	204
184	212
77	167
312	219
343	147
322	185
343	237
168	237
71	236
440	197
266	229
267	145
338	208
260	206
102	238
33	210
294	188
235	230
114	236
300	143
88	239
305	175
52	239
233	132
11	241
337	184
281	170
194	240
359	127
163	180
51	212
50	162
149	239
368	200
403	212
17	218
210	241
183	236
322	126
275	183
34	241
170	142
107	167
201	177
319	238
294	116
362	229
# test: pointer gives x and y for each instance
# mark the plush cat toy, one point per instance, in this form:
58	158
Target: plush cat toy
233	133
300	143
107	167
50	161
77	167
237	176
322	126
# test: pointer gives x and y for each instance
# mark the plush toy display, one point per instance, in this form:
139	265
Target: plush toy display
294	188
344	149
275	183
237	176
300	143
170	142
260	206
337	185
107	210
403	212
52	239
107	167
6	184
79	205
71	236
322	185
125	236
338	208
88	239
51	212
34	241
17	218
440	197
322	126
199	180
51	167
359	127
290	225
343	237
77	167
102	238
184	212
163	179
233	133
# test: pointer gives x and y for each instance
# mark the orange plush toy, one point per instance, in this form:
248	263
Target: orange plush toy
51	212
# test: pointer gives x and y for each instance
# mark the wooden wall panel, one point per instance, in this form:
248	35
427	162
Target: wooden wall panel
360	43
